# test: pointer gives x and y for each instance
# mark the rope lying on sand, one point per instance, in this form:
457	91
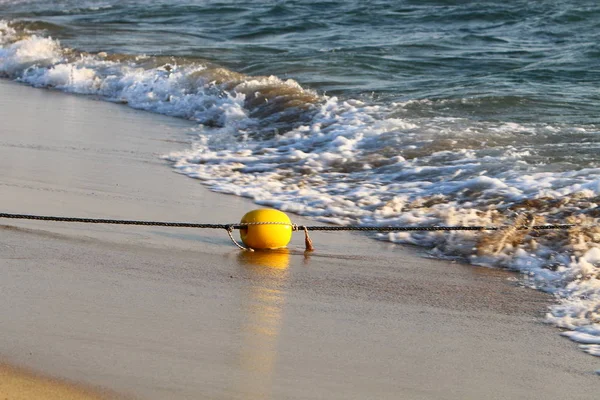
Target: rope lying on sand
230	227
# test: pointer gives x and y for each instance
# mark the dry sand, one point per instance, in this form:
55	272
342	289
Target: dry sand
159	313
19	384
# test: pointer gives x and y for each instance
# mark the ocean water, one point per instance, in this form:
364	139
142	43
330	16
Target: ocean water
353	112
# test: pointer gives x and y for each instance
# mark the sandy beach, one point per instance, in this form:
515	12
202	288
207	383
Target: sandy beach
157	313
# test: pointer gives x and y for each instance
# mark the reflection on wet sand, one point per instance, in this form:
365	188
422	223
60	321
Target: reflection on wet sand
263	300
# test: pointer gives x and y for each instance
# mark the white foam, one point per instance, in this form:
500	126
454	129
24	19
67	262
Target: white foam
34	52
6	32
583	338
177	90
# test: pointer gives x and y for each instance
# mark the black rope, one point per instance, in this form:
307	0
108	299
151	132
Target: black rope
431	228
300	227
114	221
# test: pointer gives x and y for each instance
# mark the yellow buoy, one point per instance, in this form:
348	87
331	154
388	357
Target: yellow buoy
266	236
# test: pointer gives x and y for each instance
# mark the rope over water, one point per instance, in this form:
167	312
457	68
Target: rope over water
308	242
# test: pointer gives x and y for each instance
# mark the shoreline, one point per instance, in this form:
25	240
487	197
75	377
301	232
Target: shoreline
171	313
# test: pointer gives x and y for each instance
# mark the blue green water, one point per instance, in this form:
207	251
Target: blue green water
524	60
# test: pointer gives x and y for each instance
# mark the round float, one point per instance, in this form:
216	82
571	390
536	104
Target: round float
266	229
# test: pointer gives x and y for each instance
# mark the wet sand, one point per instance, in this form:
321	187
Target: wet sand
159	313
